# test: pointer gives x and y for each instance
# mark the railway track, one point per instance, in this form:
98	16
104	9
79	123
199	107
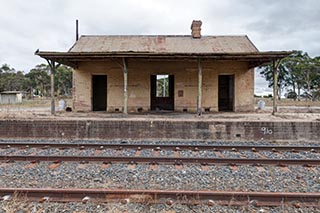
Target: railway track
175	147
168	197
162	160
131	154
176	159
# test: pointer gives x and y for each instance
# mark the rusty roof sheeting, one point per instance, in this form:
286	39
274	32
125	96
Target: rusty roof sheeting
163	44
253	58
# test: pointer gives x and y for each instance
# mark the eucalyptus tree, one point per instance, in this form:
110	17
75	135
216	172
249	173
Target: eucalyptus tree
63	79
283	73
39	79
298	71
12	80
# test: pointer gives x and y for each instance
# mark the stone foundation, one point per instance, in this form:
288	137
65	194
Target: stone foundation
160	130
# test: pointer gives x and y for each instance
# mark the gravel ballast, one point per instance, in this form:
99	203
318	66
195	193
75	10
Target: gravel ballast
25	207
269	178
192	177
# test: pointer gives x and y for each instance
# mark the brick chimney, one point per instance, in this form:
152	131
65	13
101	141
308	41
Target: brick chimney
196	29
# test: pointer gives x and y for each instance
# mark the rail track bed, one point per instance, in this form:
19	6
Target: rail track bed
168	197
162	153
205	176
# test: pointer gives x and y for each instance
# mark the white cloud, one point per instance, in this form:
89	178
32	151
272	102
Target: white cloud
261	85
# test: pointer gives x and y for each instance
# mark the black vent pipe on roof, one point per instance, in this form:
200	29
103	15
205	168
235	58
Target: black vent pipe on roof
77	30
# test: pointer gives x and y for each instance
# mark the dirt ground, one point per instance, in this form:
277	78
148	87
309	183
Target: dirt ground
288	110
289	102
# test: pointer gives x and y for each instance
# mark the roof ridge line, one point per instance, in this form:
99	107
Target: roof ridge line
139	35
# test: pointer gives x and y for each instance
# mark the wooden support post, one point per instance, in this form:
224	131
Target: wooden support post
275	85
52	74
199	107
125	87
52	66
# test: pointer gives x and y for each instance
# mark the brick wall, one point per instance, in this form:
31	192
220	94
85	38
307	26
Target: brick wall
159	129
186	80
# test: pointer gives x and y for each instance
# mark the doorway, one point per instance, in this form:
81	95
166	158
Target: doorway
99	93
226	93
162	92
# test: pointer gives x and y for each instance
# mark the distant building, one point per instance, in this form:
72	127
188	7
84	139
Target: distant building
186	73
10	97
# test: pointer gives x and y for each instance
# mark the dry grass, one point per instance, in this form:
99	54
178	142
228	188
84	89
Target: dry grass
40	109
288	102
37	102
45	102
29	108
16	203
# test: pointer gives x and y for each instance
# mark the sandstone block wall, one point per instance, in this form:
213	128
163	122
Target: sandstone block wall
186	80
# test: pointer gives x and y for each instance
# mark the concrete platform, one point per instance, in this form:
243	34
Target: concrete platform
164	126
285	114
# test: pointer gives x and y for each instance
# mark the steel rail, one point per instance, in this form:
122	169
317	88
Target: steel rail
158	146
169	197
162	160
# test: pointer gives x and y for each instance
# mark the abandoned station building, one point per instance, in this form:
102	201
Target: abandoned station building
187	73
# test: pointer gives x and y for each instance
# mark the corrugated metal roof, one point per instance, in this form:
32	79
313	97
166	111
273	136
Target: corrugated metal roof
164	44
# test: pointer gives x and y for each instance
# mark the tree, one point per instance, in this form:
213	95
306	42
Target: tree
267	72
314	69
298	71
291	95
12	80
39	79
162	86
63	81
295	63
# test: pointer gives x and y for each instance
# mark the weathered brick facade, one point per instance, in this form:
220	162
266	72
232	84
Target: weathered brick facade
186	80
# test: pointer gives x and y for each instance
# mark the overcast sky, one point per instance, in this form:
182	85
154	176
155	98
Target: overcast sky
26	25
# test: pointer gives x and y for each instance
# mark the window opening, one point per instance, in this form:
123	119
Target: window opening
162	86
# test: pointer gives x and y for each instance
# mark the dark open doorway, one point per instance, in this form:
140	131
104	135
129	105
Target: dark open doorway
162	92
226	92
99	92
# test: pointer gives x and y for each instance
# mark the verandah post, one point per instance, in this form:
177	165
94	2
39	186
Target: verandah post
125	87
52	66
275	85
199	111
